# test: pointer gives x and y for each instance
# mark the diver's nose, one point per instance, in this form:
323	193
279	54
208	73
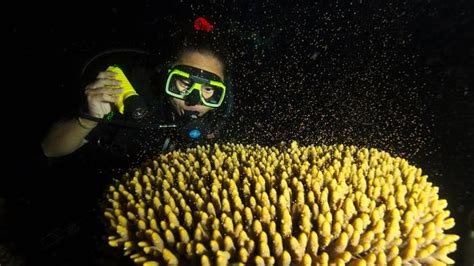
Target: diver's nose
192	99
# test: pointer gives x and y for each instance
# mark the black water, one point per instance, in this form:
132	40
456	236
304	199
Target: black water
397	76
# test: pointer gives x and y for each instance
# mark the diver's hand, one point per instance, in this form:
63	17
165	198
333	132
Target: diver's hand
101	93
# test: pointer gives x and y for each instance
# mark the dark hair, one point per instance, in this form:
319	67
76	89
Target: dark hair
207	43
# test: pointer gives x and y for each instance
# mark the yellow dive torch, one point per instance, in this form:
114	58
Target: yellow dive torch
129	101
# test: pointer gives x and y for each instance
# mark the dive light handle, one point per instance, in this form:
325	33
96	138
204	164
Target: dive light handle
128	90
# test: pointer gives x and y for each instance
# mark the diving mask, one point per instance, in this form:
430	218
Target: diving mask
195	86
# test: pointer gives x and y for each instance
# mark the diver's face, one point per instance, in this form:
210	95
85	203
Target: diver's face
204	62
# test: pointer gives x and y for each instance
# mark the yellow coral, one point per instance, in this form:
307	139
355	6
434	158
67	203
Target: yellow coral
239	204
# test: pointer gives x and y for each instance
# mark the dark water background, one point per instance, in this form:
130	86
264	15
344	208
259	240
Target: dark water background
398	76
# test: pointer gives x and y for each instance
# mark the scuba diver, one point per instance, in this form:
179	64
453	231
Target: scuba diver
134	110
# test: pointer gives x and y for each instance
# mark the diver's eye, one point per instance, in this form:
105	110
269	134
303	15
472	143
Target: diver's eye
207	91
183	84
